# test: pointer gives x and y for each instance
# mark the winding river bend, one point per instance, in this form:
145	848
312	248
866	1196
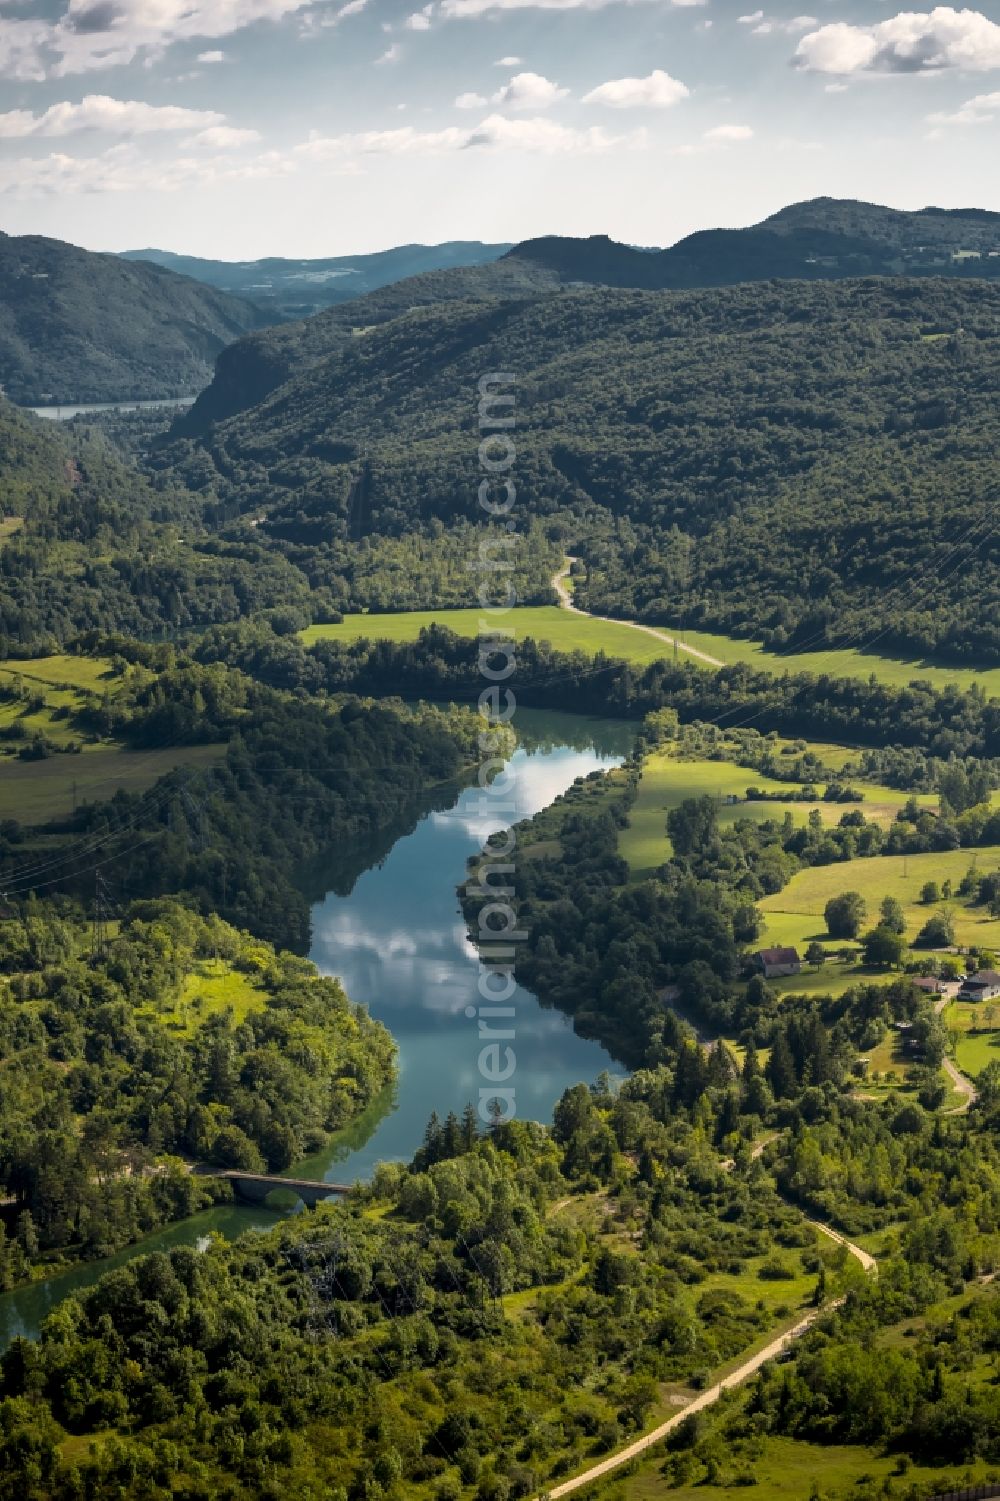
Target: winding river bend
395	936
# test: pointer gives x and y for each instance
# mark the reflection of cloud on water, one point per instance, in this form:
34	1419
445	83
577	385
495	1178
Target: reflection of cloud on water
547	778
399	943
347	930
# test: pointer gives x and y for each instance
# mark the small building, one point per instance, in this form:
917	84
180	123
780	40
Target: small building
773	963
984	986
929	984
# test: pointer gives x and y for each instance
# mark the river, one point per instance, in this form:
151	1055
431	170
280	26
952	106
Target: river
395	936
64	413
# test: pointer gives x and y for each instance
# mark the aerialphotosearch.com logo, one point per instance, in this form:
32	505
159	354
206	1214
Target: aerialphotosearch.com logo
497	596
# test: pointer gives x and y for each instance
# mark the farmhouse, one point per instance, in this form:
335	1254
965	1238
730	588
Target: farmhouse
775	962
984	986
929	984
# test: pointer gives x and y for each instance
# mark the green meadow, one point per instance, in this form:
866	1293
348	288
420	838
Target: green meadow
668	780
794	916
569	632
57	688
33	792
787	1469
90	674
977	1036
213	986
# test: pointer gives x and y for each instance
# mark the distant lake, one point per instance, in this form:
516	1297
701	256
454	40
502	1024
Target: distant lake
64	413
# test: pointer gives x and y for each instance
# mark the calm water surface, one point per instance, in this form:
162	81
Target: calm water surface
397	940
64	413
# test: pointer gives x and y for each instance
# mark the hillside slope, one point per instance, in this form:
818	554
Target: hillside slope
80	327
298	288
826	239
768	459
248	371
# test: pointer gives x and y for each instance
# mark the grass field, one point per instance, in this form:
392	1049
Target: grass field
92	674
214	986
569	632
35	791
787	1469
795	915
9	527
667	781
978	1041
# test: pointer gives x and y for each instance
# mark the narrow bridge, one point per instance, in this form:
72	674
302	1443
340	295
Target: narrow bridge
257	1186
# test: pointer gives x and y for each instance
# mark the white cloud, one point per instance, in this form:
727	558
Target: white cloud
547	137
750	20
494	132
21	45
98	34
771	25
910	42
127	169
658	91
123	117
211	57
470	101
729	133
529	91
464	10
712	140
508	62
392	54
420	20
404	141
980	110
222	138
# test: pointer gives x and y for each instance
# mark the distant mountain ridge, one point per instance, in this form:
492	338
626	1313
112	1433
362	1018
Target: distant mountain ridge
824	239
299	288
77	326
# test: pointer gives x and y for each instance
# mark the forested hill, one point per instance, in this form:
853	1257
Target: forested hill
249	370
821	240
772	458
297	288
824	239
80	327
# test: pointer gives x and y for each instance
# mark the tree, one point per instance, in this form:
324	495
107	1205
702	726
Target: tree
891	915
693	824
883	947
816	954
780	1069
844	914
930	892
938	932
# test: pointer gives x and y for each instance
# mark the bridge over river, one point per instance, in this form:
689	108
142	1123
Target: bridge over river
256	1186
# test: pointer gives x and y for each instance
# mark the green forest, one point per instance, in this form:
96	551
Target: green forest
784	1181
691	448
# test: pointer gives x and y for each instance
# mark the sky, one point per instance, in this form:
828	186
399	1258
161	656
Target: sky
242	128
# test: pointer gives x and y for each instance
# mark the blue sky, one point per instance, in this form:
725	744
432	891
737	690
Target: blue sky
242	128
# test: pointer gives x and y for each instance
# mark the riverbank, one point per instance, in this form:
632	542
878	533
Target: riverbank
393	935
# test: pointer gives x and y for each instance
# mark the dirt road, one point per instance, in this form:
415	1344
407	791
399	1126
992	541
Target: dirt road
566	601
962	1084
742	1373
